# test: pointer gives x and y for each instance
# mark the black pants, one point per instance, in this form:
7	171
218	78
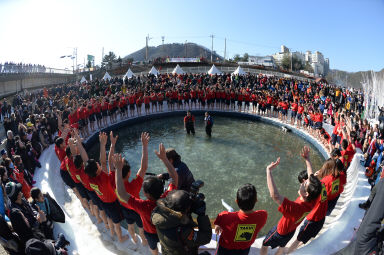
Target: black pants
190	129
208	130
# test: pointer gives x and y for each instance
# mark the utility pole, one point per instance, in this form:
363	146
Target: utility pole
212	48
225	48
146	47
75	53
102	55
186	55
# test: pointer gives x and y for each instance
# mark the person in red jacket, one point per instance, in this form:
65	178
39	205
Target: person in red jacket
153	189
104	111
95	204
133	187
300	111
154	101
189	123
294	109
293	212
239	229
139	101
147	100
132	103
101	182
160	99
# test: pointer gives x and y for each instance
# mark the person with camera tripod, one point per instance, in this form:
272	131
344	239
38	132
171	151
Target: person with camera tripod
175	227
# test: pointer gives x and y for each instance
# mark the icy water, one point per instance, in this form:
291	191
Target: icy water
237	153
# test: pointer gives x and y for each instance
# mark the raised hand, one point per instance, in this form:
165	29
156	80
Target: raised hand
305	153
113	139
103	138
161	153
71	141
145	138
118	161
273	164
75	133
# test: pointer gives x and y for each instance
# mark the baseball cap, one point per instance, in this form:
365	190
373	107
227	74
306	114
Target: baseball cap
3	152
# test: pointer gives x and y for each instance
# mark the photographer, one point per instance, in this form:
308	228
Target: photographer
175	227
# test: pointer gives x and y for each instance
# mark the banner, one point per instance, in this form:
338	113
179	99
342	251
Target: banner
90	58
182	60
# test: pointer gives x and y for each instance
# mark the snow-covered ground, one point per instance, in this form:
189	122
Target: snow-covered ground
87	237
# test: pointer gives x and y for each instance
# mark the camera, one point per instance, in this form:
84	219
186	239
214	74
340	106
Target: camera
198	205
195	188
61	242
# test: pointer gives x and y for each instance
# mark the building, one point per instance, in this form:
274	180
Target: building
284	51
261	61
326	66
316	59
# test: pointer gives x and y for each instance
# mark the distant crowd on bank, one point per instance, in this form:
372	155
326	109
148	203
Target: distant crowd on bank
11	67
65	115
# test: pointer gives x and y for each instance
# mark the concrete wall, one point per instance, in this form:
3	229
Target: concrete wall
12	84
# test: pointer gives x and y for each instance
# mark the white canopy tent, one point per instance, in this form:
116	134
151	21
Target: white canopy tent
239	71
178	70
154	71
129	74
214	70
83	80
107	76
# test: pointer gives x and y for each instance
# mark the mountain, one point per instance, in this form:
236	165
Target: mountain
349	79
190	50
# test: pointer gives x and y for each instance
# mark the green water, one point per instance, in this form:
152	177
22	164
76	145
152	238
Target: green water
237	153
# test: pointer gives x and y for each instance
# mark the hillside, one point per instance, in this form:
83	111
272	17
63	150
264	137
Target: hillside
190	50
348	79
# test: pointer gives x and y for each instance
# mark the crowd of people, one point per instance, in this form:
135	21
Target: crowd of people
66	115
10	67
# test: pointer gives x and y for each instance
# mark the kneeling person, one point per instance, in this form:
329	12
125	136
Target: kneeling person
239	229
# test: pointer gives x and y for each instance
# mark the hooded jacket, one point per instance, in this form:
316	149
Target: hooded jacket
176	231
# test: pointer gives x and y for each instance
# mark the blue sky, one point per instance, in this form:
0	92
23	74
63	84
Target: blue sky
350	33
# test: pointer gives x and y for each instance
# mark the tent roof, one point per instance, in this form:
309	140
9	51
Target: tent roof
214	70
129	74
107	76
154	71
239	71
178	70
83	80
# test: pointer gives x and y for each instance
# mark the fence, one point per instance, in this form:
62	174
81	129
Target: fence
231	69
11	69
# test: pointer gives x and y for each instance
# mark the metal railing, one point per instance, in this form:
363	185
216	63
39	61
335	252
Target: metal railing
230	69
9	69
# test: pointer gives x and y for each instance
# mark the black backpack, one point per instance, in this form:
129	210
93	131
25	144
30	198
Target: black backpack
56	213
